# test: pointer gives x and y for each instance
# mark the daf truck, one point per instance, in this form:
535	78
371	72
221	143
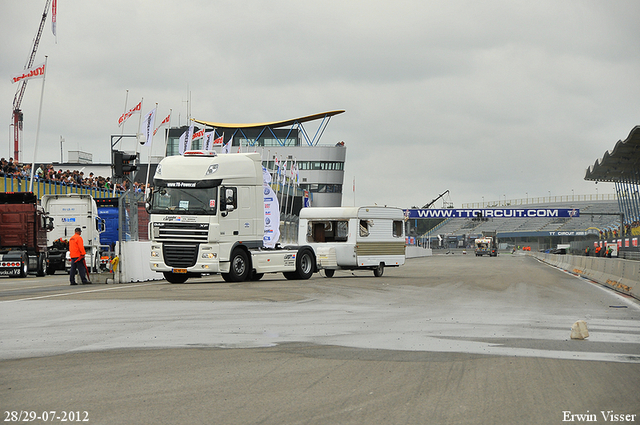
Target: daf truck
68	212
207	216
23	235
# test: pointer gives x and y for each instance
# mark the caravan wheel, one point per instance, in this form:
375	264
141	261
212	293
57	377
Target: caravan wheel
378	271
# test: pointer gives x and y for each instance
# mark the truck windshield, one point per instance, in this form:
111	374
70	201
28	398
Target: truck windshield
184	200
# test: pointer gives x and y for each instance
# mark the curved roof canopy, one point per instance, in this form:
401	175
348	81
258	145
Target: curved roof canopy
620	164
274	124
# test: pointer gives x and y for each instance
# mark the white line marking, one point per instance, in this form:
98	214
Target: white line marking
81	292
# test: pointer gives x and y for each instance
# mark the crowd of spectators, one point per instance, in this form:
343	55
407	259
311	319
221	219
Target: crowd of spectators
49	174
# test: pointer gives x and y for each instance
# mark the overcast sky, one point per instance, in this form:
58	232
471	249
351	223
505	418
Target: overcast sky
489	100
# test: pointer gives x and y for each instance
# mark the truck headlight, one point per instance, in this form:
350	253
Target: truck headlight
209	255
155	254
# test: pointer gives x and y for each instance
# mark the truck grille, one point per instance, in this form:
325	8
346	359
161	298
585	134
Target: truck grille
193	232
180	255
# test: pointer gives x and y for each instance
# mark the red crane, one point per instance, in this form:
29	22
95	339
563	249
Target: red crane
17	100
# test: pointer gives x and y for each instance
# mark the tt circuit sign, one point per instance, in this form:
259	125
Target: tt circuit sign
492	213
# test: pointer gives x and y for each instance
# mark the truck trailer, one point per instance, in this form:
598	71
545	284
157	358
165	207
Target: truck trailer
23	235
207	216
350	238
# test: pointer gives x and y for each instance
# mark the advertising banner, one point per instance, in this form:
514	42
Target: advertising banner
492	213
271	218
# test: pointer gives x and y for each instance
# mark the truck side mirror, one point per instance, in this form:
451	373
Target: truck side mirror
228	199
101	226
147	201
49	225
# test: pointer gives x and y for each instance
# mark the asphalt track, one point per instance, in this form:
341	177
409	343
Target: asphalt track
449	339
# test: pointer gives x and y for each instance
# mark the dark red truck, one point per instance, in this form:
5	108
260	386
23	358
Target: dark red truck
23	235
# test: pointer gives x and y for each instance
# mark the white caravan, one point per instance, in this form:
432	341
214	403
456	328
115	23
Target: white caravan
354	237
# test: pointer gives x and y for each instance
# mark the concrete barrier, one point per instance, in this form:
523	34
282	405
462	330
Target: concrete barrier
417	251
619	274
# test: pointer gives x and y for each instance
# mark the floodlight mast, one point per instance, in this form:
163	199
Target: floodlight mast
18	116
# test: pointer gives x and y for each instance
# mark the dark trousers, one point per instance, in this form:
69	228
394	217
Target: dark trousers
79	266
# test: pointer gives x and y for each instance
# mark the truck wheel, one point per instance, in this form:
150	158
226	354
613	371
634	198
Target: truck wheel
329	272
42	261
239	267
378	271
24	268
304	264
255	276
175	277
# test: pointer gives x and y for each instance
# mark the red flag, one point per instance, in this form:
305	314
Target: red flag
218	141
164	122
135	110
198	135
34	72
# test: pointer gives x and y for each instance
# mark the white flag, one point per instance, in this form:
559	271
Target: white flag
284	171
208	141
146	127
226	148
185	141
54	18
34	72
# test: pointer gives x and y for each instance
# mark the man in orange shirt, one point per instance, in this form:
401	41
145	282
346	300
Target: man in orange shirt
77	253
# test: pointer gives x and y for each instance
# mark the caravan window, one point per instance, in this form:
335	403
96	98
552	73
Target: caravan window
397	229
328	231
364	228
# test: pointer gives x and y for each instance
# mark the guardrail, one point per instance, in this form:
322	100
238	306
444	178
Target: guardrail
619	274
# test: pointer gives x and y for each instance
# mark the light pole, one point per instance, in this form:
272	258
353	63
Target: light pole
527	197
572	196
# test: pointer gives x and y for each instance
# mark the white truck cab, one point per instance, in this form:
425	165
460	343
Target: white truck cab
207	216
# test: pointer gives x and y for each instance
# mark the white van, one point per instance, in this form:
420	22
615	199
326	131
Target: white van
352	238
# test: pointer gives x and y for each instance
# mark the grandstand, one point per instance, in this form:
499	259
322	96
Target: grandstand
538	226
603	221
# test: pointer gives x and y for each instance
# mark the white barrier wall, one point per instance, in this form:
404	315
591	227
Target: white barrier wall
621	275
417	251
133	265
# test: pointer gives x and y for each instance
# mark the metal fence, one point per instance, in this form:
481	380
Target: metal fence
43	187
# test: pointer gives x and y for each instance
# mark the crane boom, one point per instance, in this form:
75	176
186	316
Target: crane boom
17	99
434	201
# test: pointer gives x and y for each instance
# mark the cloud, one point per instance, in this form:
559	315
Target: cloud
485	99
